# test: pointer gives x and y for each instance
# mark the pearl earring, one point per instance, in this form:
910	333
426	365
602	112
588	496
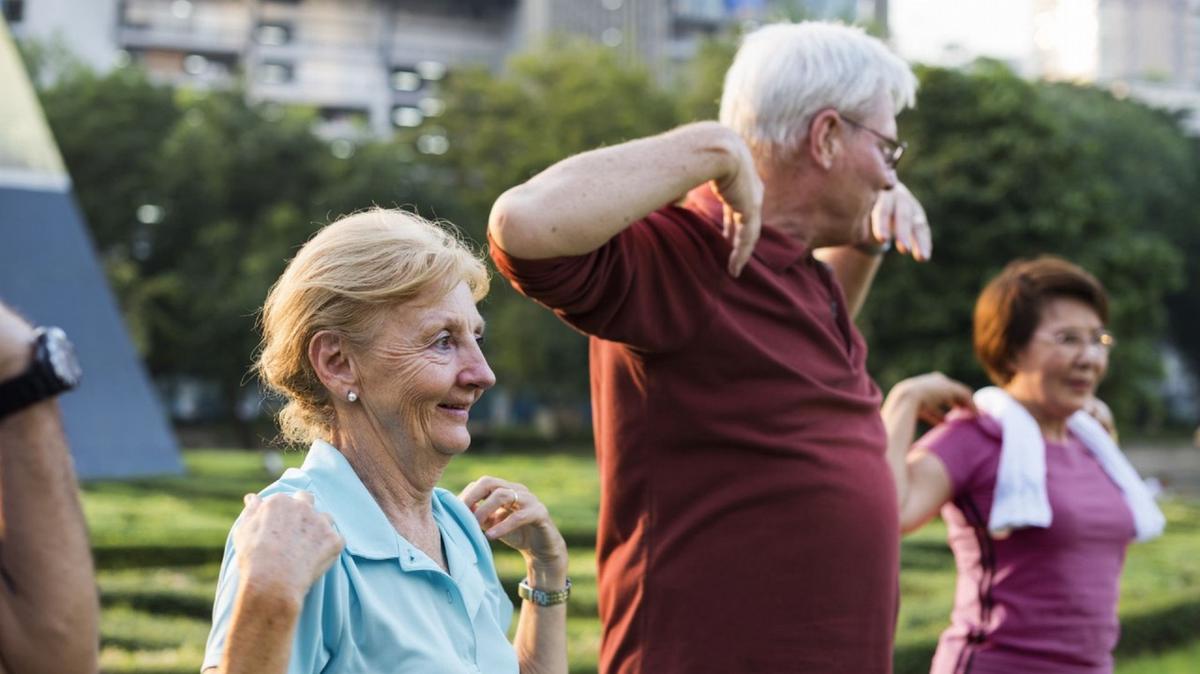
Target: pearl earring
352	396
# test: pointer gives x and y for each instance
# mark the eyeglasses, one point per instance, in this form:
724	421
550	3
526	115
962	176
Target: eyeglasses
1079	340
893	149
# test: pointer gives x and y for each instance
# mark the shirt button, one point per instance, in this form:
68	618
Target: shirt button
449	597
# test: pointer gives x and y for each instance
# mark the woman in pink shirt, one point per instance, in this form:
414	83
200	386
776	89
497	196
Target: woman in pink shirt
1030	598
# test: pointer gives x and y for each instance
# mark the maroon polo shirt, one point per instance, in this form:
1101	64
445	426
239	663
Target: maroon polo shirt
747	514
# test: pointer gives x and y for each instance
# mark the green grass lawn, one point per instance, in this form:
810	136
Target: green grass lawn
1182	660
158	544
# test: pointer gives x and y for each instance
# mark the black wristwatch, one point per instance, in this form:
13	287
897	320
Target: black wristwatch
54	369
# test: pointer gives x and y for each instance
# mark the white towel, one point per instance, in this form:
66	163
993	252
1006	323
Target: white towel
1020	498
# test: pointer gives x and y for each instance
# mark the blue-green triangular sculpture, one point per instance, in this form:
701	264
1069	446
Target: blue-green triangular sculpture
49	273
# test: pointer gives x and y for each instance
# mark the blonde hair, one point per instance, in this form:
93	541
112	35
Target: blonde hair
340	281
785	73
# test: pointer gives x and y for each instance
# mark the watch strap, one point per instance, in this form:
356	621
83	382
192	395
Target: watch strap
873	247
542	597
37	383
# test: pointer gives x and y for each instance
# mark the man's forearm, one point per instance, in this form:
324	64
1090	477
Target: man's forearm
854	270
48	607
577	205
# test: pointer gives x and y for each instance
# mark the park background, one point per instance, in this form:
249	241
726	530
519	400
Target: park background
196	191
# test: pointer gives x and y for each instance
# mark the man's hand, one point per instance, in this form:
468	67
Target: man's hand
741	191
898	217
16	343
284	545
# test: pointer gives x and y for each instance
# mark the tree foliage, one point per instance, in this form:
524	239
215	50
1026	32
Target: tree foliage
1011	169
197	199
561	100
1005	168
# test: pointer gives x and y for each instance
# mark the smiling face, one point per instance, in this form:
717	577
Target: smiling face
424	370
1057	373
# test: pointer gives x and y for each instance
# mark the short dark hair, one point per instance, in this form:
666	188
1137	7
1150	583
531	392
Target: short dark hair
1009	309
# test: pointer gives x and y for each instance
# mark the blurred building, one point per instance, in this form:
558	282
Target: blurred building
1150	49
373	65
1150	41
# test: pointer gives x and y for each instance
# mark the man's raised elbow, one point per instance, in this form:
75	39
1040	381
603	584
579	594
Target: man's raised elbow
506	224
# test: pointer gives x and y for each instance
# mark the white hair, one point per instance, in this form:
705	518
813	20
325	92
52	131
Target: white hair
785	73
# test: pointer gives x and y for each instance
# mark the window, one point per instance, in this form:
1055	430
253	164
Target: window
407	116
405	80
273	34
195	64
432	107
274	72
14	10
431	70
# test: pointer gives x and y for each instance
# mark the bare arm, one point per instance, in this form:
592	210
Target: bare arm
896	218
541	638
922	482
48	603
854	269
283	546
260	632
578	204
510	512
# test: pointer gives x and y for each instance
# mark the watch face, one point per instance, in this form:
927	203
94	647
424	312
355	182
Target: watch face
62	356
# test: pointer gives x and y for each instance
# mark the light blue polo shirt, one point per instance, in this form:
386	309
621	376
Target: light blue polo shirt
385	606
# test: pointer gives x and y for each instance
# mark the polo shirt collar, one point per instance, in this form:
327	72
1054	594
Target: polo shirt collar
775	249
339	492
361	522
368	534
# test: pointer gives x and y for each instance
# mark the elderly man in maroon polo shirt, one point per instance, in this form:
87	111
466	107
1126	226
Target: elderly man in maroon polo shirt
748	518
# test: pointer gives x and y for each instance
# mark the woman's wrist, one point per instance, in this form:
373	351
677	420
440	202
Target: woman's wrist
902	395
271	591
547	574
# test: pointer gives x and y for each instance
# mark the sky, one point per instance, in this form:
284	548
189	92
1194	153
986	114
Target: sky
952	32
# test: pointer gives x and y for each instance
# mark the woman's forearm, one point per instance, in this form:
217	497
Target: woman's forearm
900	420
541	639
922	482
260	631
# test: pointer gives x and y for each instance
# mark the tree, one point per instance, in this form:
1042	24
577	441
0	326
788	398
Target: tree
699	90
109	128
1155	171
563	99
196	201
1011	169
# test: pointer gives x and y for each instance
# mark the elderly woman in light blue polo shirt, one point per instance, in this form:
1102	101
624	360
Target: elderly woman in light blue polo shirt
356	562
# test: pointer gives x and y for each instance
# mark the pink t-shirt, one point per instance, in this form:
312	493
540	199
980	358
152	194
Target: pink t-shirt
1040	600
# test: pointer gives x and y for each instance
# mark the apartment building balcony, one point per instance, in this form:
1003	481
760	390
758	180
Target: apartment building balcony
182	25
